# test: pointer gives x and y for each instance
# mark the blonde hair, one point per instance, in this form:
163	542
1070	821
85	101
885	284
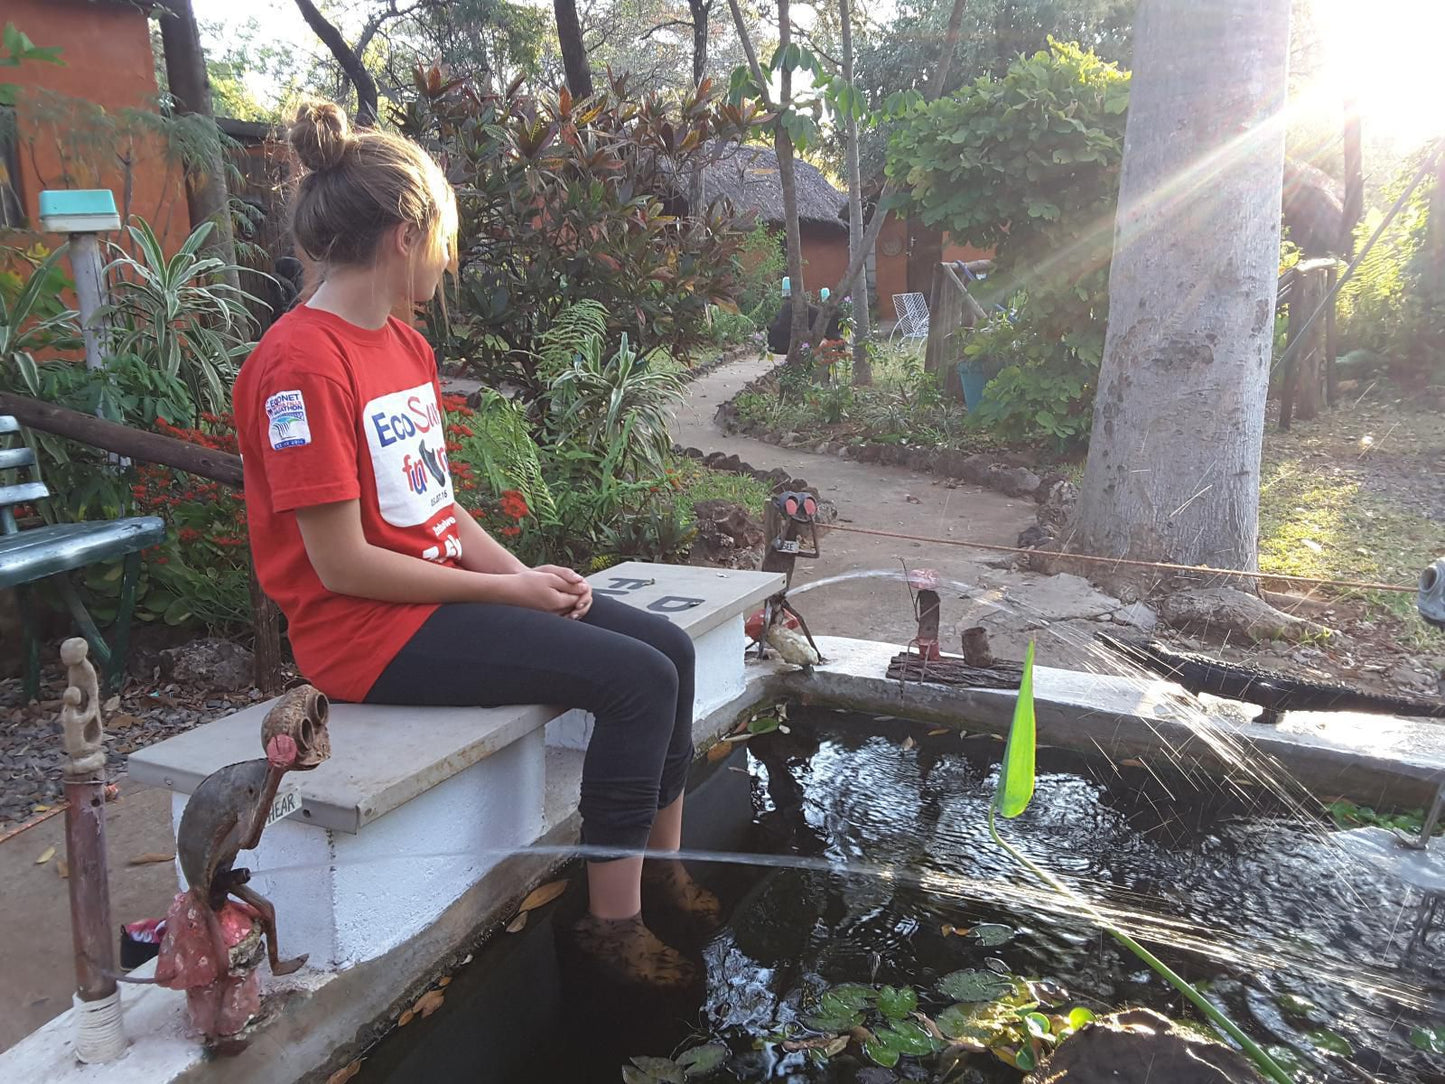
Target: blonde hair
357	185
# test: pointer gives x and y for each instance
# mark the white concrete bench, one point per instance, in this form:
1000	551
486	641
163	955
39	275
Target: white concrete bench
416	805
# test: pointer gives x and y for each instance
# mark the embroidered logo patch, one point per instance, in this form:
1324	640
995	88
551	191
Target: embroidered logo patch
286	411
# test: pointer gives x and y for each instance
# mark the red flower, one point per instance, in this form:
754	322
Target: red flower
514	504
511	532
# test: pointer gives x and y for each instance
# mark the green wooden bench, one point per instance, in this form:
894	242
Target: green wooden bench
54	551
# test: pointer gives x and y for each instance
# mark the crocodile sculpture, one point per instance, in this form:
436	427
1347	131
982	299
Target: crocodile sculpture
1274	692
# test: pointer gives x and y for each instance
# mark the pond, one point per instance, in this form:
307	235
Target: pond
878	869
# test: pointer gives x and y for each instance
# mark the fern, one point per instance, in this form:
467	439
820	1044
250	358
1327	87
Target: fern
508	455
575	328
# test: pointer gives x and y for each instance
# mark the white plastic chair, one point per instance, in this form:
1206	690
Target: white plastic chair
912	310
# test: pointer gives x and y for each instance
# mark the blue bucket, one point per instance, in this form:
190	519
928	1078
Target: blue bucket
974	378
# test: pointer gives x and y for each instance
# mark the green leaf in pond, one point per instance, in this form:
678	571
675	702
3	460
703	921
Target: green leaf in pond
764	724
1016	777
664	1070
1286	1059
1301	1008
1038	1025
1430	1040
701	1060
633	1075
841	1020
906	1037
958	1022
884	1055
991	934
975	985
897	1002
1024	1059
1324	1039
855	995
1080	1016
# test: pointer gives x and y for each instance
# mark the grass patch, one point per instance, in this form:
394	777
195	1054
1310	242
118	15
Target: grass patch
1317	517
701	484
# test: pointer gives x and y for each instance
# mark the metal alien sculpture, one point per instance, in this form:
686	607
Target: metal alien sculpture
213	943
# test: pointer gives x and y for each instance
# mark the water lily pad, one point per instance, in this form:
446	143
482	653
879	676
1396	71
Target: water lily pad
764	724
1080	1016
662	1070
701	1060
884	1055
855	995
839	1020
974	985
897	1002
1430	1040
990	934
1334	1043
1038	1025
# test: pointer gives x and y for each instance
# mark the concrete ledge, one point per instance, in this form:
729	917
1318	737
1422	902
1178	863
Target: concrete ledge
1372	759
385	756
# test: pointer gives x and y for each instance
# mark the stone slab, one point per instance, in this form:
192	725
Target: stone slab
384	756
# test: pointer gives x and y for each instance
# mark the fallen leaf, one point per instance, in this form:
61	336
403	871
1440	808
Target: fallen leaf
543	895
405	1018
62	868
45	856
120	722
445	980
151	858
40	809
113	704
908	743
341	1076
518	923
466	959
735	738
428	1003
718	752
938	731
1131	762
950	929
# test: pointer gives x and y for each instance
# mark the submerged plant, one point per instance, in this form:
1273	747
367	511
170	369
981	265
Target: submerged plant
1015	790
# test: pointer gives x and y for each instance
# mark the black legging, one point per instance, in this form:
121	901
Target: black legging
631	669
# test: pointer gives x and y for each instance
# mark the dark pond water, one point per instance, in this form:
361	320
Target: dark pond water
1270	908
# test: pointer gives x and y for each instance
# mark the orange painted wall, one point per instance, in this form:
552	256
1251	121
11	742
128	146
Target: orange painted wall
107	52
825	258
892	262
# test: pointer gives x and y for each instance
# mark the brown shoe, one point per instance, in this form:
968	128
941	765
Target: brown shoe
631	952
667	884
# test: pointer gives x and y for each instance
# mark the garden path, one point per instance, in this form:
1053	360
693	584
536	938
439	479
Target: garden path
866	495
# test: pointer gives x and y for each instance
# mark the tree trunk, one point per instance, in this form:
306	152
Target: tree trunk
700	10
862	316
1173	467
367	99
1354	178
574	53
206	197
791	228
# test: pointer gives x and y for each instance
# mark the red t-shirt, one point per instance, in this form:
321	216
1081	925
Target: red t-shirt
327	411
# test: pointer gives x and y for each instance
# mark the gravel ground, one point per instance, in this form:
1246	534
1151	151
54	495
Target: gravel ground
147	712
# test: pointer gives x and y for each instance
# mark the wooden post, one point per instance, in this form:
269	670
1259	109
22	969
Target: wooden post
945	315
266	649
1332	375
1307	366
100	1037
89	271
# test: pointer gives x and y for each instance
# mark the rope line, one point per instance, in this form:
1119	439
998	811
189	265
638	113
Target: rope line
1357	584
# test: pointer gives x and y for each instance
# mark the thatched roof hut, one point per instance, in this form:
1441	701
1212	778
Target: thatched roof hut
1313	209
748	176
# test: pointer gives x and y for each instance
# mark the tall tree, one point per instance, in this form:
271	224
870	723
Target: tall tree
574	52
350	59
1173	467
862	317
207	199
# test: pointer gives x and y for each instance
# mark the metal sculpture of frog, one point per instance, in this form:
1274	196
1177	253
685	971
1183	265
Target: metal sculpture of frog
212	943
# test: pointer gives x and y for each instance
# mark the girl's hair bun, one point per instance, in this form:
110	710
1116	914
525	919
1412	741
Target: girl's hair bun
320	135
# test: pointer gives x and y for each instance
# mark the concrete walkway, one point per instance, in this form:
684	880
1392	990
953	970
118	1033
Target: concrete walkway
872	496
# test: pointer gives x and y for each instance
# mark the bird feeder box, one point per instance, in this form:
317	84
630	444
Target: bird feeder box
81	210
